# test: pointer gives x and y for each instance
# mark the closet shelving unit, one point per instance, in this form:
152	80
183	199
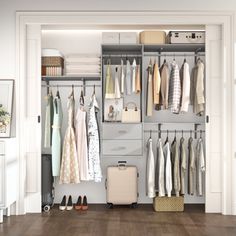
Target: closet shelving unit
65	78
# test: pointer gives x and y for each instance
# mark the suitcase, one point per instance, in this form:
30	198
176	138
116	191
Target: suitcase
153	37
122	185
187	37
47	183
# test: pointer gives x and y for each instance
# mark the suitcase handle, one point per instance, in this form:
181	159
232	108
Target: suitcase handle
122	164
106	184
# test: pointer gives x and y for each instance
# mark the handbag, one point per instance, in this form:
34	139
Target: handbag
131	114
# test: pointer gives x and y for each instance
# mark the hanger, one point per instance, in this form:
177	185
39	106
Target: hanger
81	99
58	94
191	133
167	138
182	133
175	136
150	133
94	89
200	134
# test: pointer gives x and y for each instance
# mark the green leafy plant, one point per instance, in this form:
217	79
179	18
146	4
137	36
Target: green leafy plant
5	117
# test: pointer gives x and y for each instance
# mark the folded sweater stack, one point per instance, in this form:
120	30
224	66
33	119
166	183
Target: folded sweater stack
83	65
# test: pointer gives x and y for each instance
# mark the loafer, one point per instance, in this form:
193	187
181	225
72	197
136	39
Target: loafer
85	204
62	206
78	205
69	206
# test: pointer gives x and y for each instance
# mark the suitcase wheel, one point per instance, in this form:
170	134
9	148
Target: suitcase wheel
46	208
109	205
134	205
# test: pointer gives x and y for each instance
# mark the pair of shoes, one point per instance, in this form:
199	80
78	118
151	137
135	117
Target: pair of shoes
82	206
63	206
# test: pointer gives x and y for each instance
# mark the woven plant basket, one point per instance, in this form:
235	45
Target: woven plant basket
168	203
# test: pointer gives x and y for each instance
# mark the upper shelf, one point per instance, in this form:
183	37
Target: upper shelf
70	78
135	48
174	48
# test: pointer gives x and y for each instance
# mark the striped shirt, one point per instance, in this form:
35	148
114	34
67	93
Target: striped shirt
174	89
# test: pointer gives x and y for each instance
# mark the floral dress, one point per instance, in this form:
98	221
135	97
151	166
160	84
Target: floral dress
70	166
95	172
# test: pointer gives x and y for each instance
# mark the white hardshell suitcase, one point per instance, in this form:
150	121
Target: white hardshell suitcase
187	37
122	185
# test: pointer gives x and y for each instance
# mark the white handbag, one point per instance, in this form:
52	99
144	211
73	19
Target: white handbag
131	115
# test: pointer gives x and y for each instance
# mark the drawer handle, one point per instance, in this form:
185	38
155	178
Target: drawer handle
118	148
122	131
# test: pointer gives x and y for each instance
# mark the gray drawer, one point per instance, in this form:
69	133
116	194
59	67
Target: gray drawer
122	131
122	147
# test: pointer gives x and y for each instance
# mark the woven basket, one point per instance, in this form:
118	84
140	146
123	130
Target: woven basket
168	203
53	61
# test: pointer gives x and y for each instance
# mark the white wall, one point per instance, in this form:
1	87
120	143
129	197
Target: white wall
8	9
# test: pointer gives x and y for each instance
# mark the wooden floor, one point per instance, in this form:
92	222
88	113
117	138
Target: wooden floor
119	221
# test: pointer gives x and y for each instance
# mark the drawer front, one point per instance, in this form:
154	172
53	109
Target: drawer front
122	147
122	131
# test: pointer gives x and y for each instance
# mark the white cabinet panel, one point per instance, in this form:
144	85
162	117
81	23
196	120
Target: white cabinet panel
216	135
215	173
2	164
32	173
215	101
215	58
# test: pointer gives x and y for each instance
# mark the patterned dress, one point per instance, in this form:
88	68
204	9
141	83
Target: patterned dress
70	165
95	172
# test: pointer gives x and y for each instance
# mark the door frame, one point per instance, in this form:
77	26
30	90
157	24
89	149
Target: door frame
225	19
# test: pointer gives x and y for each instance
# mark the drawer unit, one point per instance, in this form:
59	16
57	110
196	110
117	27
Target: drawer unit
122	147
121	131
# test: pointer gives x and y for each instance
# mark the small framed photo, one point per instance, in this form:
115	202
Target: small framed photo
6	101
113	109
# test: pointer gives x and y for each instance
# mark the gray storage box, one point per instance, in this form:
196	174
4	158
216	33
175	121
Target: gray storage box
191	37
110	38
128	38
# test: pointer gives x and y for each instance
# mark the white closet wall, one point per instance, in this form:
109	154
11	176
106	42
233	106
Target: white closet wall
73	41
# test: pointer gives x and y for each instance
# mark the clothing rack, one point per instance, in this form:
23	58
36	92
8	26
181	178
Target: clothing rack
173	55
175	131
70	86
121	55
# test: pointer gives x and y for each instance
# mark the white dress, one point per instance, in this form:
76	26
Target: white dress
150	172
95	172
81	143
69	165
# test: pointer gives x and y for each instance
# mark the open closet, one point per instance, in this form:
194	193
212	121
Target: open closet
119	140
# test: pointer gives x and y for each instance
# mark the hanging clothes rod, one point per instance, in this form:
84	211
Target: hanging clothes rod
69	86
173	55
174	131
122	55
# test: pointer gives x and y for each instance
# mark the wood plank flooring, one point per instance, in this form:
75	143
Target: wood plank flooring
120	221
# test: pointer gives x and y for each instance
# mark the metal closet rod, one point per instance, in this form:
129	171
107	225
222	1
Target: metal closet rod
174	131
122	55
173	55
70	86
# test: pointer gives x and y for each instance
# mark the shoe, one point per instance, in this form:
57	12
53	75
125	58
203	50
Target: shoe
62	206
69	206
85	204
78	205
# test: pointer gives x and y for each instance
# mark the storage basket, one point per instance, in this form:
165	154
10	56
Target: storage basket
168	203
53	61
153	37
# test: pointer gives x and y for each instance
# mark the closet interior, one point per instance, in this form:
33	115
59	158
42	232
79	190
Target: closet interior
92	67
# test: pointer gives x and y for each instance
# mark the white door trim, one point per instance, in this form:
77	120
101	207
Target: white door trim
225	19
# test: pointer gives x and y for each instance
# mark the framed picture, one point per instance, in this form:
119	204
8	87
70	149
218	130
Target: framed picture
6	100
113	109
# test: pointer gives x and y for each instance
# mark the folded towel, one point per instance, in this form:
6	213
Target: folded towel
83	60
83	55
83	74
83	67
51	52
